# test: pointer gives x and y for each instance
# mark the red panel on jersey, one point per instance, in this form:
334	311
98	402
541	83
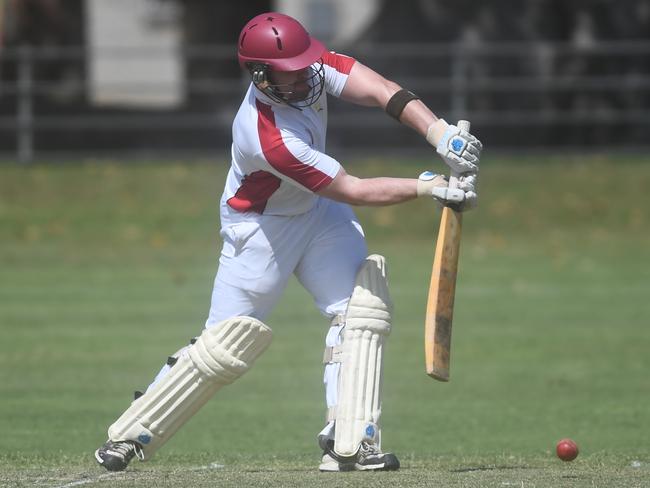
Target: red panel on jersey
255	190
278	156
342	64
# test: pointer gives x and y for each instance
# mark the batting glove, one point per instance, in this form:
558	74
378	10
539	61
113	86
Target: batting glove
462	198
460	150
468	183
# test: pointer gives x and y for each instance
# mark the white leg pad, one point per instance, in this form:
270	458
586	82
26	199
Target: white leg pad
367	325
221	354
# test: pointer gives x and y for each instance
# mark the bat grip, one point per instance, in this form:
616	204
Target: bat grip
453	177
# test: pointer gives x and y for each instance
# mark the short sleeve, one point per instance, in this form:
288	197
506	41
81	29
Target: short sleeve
337	68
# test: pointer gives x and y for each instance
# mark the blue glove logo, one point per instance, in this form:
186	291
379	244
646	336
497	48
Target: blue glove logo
457	145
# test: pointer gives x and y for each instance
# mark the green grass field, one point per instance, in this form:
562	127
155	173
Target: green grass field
107	268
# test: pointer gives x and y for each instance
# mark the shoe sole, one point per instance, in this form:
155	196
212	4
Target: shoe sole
376	467
98	458
335	468
372	467
391	463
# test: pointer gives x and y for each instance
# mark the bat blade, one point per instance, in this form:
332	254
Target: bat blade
442	289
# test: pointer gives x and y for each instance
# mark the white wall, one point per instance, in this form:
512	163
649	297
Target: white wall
152	77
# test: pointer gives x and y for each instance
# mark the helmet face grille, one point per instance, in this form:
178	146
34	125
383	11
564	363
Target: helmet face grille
316	82
286	92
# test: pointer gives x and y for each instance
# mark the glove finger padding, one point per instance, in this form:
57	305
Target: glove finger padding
448	195
467	183
474	149
467	163
470	202
437	186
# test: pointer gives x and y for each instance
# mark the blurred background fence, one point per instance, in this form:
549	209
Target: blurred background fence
152	76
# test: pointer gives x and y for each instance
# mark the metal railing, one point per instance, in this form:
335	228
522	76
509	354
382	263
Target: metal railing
501	87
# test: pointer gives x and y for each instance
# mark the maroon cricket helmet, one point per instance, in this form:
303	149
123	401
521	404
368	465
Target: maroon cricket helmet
278	41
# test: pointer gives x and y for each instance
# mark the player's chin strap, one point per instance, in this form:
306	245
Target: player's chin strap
367	324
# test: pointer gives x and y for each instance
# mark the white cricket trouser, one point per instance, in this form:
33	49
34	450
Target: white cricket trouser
324	248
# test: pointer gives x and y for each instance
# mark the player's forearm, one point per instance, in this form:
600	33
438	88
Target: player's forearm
418	117
384	191
415	114
371	191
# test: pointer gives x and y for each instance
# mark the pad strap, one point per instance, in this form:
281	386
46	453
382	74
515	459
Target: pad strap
398	101
337	320
333	354
331	414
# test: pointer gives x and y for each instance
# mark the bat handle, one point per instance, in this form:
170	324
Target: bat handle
453	177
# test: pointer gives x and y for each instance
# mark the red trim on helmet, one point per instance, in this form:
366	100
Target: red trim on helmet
342	64
254	192
279	156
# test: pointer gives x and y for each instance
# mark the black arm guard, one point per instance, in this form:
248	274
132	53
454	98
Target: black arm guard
398	101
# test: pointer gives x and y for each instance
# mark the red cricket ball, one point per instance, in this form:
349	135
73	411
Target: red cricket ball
567	450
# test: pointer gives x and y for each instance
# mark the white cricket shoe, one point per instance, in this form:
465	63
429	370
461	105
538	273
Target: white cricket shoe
328	464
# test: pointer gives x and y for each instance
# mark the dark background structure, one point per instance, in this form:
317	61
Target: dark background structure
529	74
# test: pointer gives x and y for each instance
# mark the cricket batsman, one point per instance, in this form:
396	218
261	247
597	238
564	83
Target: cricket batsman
286	210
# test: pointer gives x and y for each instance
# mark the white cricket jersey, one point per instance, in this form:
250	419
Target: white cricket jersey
278	152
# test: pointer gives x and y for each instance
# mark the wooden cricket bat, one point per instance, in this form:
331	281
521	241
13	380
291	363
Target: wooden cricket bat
442	289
